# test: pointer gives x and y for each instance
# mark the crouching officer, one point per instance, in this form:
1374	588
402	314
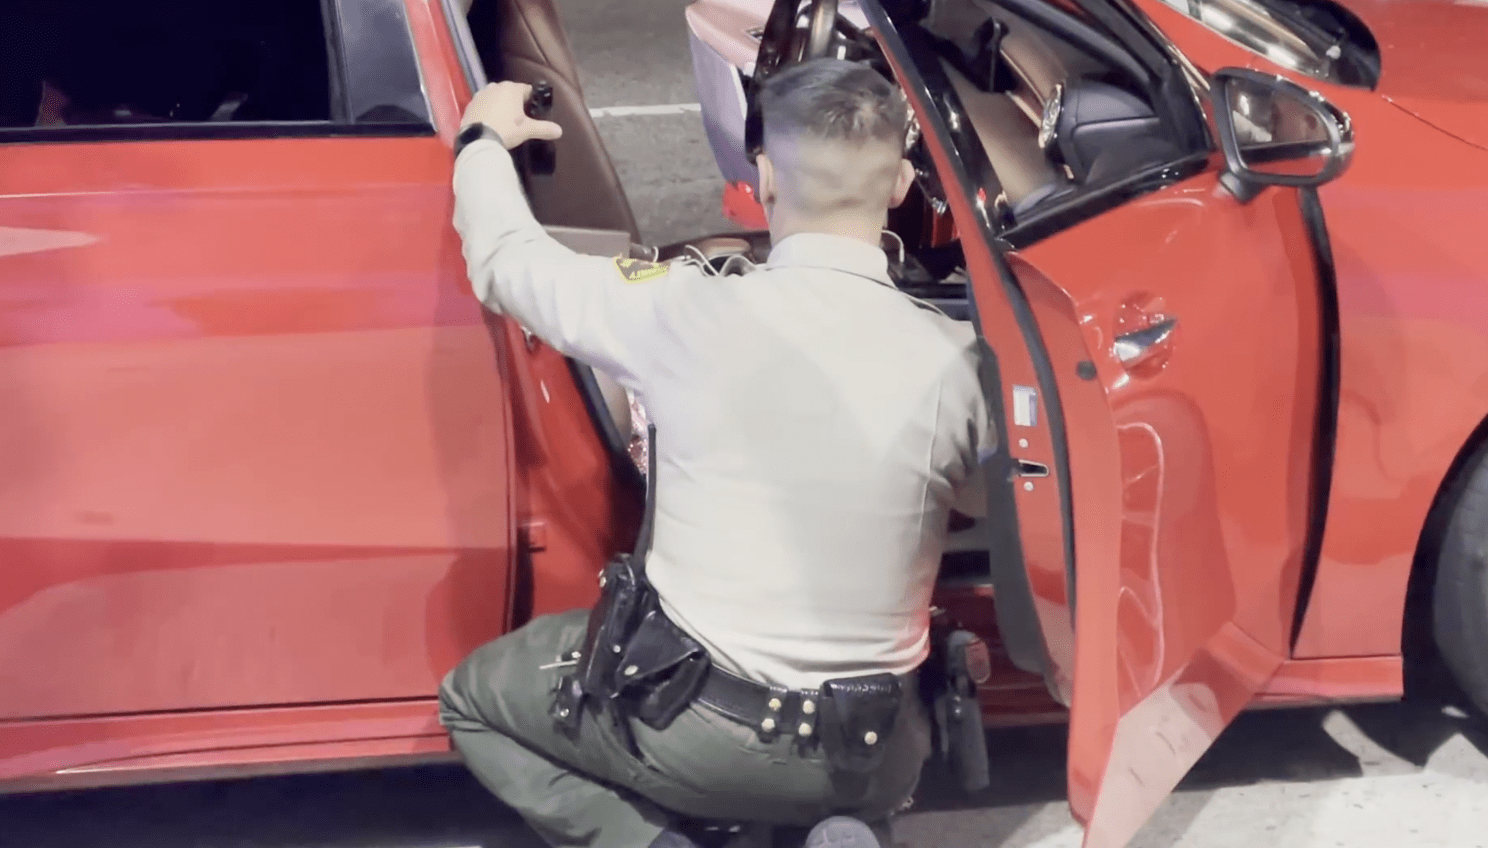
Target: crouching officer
813	426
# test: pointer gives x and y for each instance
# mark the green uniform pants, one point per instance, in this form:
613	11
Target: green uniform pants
592	792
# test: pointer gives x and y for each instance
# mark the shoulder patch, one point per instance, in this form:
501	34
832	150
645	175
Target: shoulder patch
638	270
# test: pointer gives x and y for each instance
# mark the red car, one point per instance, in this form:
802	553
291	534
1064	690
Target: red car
271	470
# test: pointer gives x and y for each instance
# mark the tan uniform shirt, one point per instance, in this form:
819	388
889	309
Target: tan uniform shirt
813	427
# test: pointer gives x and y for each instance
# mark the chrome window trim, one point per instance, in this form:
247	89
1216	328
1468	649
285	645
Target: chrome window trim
465	50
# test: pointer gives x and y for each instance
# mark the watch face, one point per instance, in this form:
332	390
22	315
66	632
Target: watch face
1049	127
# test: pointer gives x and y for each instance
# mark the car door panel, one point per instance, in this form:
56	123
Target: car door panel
1185	611
252	449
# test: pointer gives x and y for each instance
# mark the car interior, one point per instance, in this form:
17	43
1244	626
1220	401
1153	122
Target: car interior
581	195
92	62
1056	105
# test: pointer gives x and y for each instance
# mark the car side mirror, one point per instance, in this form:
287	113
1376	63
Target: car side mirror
1275	132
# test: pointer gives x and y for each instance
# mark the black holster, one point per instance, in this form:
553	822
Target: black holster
634	661
958	661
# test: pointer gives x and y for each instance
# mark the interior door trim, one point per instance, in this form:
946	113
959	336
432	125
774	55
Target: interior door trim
1018	620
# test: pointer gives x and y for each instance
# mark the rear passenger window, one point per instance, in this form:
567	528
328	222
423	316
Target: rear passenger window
98	69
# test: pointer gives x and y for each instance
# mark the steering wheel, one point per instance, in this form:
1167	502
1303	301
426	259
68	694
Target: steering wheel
823	18
781	43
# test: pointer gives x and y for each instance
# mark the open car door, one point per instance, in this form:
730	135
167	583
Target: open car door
1161	373
577	497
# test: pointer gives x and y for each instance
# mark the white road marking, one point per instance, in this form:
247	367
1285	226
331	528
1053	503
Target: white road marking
637	111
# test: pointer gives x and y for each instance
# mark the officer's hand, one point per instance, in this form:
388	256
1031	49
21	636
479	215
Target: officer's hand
501	106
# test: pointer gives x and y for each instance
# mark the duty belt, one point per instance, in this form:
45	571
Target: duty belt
857	713
770	710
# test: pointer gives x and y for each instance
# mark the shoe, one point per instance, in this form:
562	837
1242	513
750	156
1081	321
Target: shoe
842	832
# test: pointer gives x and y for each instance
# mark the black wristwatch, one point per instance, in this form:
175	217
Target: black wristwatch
473	133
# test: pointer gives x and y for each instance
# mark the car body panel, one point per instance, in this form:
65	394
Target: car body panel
247	450
1413	383
1428	56
108	750
1428	48
259	440
1185	592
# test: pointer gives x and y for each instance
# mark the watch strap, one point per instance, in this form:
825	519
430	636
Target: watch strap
473	133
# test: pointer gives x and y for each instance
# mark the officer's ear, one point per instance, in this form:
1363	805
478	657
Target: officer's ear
902	184
766	180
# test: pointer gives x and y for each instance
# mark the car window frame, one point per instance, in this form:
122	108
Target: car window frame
466	52
342	54
351	54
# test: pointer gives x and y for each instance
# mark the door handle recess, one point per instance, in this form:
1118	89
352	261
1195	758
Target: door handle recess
1137	346
1029	468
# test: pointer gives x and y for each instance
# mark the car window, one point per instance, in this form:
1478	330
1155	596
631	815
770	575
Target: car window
100	69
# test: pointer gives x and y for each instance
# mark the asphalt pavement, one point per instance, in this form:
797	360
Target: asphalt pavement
1408	775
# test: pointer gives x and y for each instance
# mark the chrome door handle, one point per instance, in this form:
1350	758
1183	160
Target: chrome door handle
1135	347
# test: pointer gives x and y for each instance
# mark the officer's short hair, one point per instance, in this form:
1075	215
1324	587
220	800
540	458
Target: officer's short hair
833	100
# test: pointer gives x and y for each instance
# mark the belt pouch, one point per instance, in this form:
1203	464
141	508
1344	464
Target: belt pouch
661	670
857	716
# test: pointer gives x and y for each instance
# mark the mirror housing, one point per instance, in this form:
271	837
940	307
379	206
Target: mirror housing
1275	132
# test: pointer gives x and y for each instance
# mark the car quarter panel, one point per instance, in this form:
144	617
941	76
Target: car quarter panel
1406	225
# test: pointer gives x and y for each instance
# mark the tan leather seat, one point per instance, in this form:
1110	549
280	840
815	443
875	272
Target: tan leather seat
1008	136
1031	58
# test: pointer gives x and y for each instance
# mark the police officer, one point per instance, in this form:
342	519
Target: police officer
814	428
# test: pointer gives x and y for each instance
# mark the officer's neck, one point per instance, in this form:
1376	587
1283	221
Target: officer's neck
860	227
